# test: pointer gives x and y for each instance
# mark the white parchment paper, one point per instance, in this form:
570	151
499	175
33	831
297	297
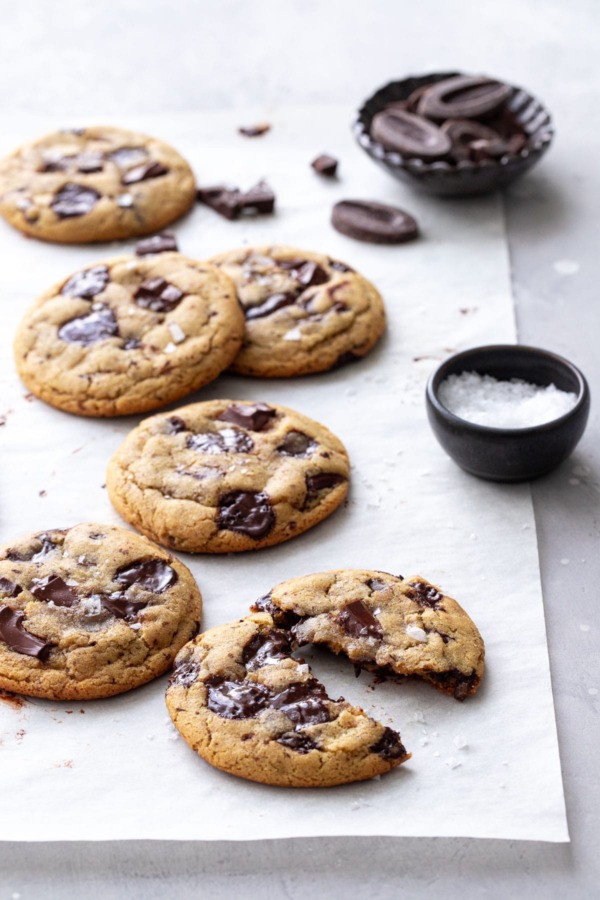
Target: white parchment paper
116	769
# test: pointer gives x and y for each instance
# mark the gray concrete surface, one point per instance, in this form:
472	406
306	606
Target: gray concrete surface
74	57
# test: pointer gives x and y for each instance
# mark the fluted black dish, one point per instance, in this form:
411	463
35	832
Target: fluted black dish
465	177
509	454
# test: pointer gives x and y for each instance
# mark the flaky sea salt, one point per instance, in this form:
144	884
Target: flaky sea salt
416	633
177	332
503	404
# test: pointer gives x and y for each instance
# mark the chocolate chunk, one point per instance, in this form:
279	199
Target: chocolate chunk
357	619
322	481
128	156
74	200
462	133
307	273
463	97
296	443
424	595
256	417
223	200
176	425
185	674
282	618
45	546
52	589
55	164
158	295
375	584
339	266
144	172
13	633
98	325
90	162
269	306
301	743
455	681
235	699
265	649
304	702
158	243
409	135
123	608
231	202
258	199
228	440
151	574
9	588
254	130
325	165
389	745
86	284
246	513
375	223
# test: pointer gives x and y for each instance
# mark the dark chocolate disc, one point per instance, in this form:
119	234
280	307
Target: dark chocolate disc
463	97
462	133
374	223
409	134
151	574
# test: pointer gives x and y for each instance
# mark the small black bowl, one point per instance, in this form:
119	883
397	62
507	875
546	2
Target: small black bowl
509	454
466	177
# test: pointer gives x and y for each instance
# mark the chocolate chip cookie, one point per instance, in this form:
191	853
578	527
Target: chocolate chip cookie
129	335
304	312
247	707
224	476
94	184
90	612
383	623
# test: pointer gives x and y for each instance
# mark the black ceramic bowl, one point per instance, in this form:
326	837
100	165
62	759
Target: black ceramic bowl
466	177
509	454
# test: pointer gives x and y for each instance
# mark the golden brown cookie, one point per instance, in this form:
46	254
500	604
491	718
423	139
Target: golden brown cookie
305	312
226	475
383	623
90	612
94	184
246	706
129	334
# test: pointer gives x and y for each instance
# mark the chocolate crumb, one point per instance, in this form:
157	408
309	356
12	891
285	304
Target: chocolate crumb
254	130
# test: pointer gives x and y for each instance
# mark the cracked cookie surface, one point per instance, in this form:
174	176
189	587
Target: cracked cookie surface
227	475
94	184
246	706
383	623
129	334
90	612
305	312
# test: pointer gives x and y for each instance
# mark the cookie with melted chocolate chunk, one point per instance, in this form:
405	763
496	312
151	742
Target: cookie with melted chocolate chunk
129	334
246	706
227	475
94	184
305	312
90	612
390	625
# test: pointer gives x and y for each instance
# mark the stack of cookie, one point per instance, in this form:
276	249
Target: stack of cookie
95	610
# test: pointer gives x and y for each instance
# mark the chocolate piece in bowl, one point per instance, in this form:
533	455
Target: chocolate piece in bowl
508	130
409	134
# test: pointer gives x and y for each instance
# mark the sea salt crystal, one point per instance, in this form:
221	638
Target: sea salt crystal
460	743
124	201
294	334
177	332
170	348
453	763
503	404
417	633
